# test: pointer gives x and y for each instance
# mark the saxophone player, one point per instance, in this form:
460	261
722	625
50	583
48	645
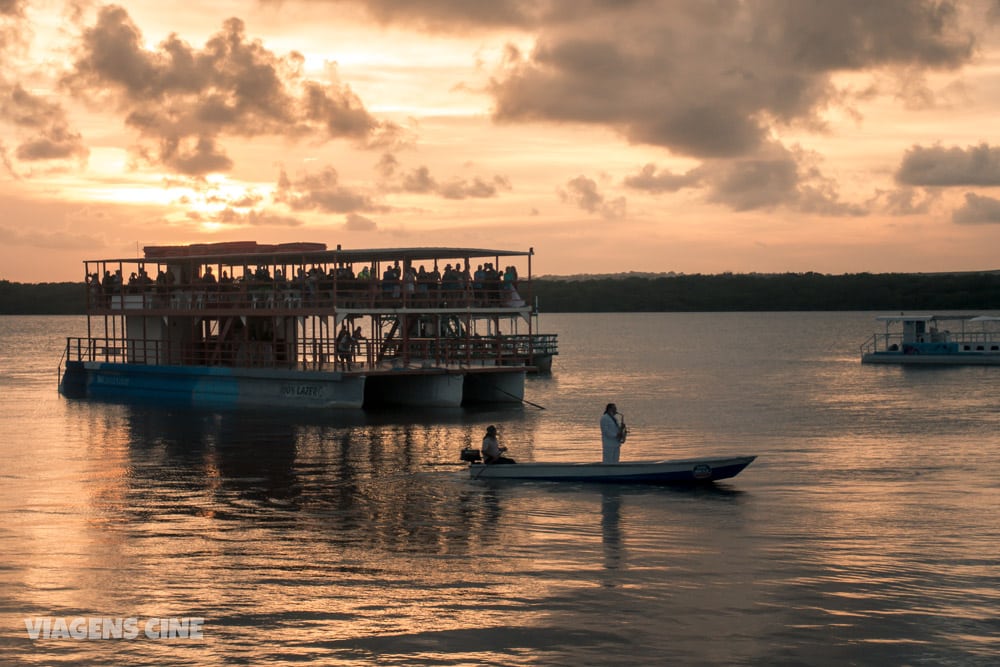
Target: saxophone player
613	434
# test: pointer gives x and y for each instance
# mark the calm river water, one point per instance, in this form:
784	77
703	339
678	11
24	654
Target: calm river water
867	532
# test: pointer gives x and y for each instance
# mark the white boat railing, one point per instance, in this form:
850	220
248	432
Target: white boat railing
882	342
304	352
967	341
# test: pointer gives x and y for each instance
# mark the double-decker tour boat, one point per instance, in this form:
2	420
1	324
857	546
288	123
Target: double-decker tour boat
300	326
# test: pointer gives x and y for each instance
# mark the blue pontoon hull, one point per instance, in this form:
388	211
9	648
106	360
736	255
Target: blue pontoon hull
212	386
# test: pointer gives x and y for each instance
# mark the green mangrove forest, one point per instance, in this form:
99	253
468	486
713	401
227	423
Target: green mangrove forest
668	293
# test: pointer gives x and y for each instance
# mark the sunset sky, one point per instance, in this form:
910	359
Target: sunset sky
696	136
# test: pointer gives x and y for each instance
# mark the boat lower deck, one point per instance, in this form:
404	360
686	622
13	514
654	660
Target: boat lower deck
933	359
289	388
935	340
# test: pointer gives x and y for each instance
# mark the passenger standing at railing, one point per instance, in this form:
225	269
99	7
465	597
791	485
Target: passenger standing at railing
491	283
449	285
465	277
225	285
397	276
94	283
423	285
344	345
300	282
434	283
409	282
387	280
111	285
510	295
479	285
162	287
510	276
356	339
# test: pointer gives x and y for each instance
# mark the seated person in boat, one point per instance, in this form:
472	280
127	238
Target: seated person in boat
493	451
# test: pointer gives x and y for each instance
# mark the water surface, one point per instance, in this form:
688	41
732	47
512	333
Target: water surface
865	533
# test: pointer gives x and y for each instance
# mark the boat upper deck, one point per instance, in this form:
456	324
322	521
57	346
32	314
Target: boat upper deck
304	278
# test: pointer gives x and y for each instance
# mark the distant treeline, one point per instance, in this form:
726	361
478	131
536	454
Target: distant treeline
42	298
680	293
786	291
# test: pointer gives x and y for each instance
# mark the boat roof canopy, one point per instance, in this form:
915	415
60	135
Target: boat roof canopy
937	318
906	318
252	253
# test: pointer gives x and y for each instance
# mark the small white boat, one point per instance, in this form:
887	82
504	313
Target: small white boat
675	471
935	340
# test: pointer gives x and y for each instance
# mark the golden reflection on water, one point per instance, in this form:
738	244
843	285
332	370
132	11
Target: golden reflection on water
321	537
864	533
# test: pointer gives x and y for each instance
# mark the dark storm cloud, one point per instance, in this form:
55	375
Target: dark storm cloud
5	161
904	201
359	223
53	143
457	15
12	24
185	100
22	108
856	34
783	179
450	14
477	188
13	8
711	79
978	210
656	182
44	130
387	165
322	191
939	166
453	16
52	138
342	113
244	200
751	184
193	158
584	193
254	218
420	181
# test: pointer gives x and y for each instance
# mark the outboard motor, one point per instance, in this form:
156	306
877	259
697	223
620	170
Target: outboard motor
471	455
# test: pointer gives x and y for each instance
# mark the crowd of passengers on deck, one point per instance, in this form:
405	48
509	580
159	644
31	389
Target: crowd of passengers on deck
455	286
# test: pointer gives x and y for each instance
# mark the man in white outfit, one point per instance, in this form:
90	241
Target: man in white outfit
611	435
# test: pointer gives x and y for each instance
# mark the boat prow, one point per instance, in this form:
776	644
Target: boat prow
674	471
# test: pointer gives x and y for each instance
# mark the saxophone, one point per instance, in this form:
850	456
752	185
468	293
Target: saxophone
622	428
